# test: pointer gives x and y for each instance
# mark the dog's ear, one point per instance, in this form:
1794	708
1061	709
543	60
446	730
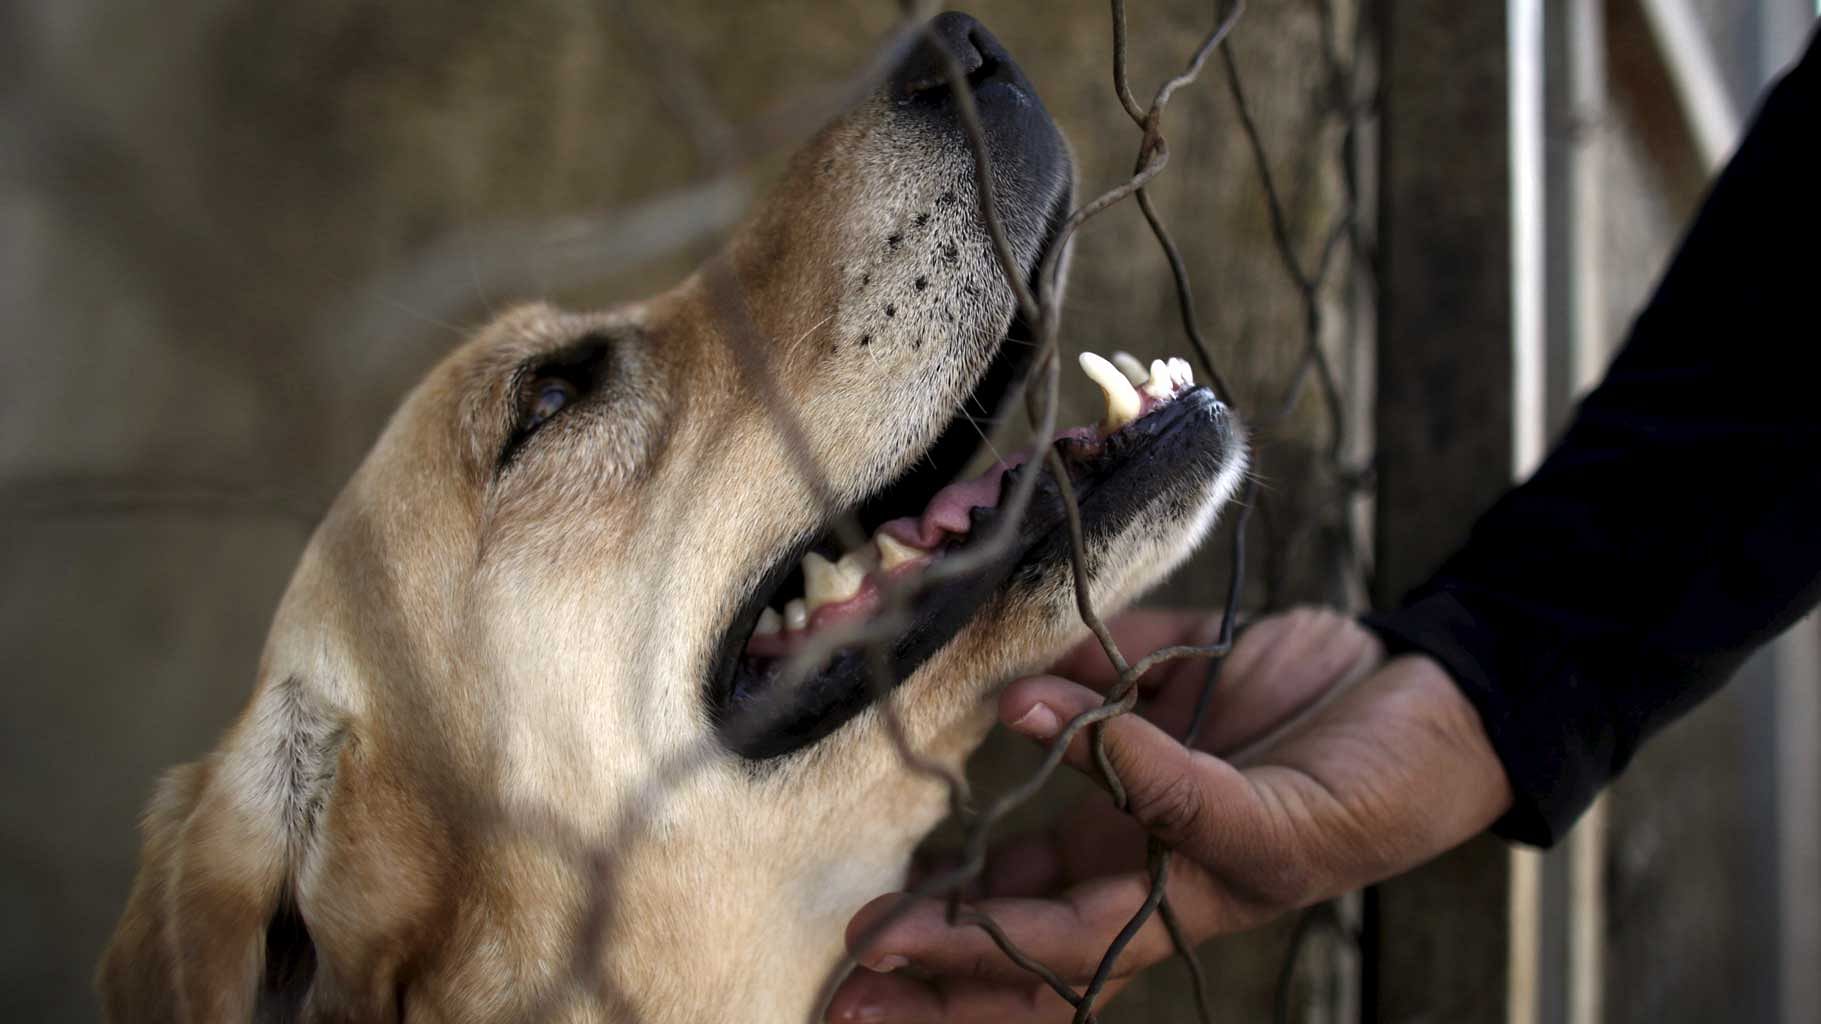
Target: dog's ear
211	930
191	945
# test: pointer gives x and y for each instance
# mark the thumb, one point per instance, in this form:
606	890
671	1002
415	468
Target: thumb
1188	799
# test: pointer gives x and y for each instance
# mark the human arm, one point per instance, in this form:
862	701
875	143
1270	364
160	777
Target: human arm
1676	527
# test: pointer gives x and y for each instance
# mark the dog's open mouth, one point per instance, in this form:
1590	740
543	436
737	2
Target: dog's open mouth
1160	433
844	588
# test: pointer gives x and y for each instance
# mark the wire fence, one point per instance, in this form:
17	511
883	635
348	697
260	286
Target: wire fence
1040	307
514	256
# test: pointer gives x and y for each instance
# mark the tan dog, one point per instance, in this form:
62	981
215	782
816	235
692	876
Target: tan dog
522	746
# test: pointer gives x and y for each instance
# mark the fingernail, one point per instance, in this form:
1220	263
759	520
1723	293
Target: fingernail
1039	722
888	963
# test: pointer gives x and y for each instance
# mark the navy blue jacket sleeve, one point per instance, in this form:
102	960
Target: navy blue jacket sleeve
1676	526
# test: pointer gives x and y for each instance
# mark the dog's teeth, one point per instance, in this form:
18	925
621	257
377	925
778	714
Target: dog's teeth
796	614
1131	367
1159	386
1122	398
894	552
1181	374
856	564
770	622
826	582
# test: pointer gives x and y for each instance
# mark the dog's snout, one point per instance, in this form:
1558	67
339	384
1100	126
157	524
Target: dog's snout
974	48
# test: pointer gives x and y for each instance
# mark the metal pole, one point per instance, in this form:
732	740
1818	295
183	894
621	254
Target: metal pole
1574	970
1525	63
1713	123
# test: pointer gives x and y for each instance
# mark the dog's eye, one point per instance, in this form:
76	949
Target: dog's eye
549	397
549	385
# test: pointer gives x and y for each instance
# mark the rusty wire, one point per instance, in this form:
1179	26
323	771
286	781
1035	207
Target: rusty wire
690	213
1151	158
1042	310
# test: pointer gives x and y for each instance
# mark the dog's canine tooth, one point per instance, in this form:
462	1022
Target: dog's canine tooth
1181	374
826	582
796	614
1122	398
1130	366
770	623
894	552
1159	386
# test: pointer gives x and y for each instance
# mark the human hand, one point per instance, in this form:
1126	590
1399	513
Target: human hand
1321	768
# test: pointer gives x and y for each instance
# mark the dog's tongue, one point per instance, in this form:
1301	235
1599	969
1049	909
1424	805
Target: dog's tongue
947	512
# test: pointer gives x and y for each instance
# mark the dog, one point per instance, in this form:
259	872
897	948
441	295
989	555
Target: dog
568	711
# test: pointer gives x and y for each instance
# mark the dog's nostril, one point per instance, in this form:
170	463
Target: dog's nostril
925	70
988	50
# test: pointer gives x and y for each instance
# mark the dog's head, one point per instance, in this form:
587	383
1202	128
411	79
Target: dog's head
532	722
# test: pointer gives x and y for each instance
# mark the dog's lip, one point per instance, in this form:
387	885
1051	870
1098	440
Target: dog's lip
945	524
1120	475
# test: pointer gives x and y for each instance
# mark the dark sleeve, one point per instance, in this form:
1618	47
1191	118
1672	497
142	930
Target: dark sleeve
1676	527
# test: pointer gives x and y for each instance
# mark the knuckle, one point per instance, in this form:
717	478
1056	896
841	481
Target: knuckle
1174	808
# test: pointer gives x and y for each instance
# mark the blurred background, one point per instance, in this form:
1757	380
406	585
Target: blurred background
233	233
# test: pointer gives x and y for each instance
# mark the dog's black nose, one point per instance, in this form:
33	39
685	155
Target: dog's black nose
981	57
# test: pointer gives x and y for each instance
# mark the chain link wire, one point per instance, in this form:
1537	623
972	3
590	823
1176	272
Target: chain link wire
592	245
1041	309
721	145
